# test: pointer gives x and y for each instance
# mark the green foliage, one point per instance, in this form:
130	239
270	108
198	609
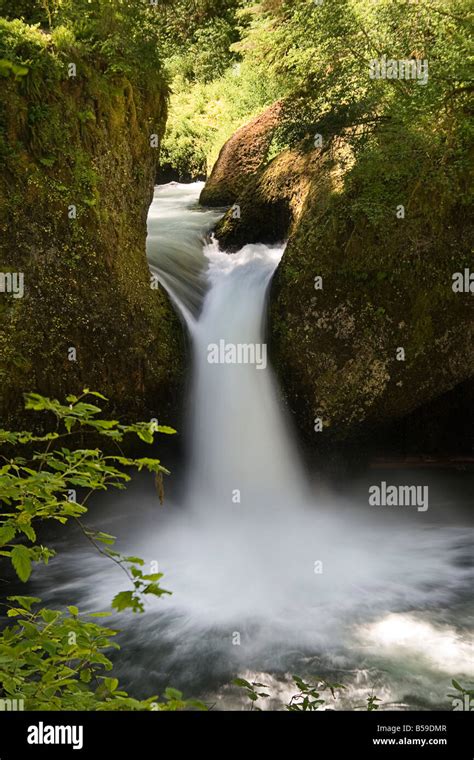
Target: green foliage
203	115
197	38
250	689
8	68
43	487
311	697
308	698
461	691
372	703
55	659
215	88
227	60
119	37
317	58
31	11
320	54
143	583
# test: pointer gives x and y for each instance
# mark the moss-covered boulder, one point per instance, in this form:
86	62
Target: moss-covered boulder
240	157
79	166
365	326
273	199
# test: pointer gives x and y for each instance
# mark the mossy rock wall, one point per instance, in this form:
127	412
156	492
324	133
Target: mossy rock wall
385	292
82	141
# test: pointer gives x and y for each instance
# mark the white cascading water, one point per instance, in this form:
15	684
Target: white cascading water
265	575
240	441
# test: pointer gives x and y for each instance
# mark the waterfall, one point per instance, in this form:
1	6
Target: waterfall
266	575
240	442
241	447
261	548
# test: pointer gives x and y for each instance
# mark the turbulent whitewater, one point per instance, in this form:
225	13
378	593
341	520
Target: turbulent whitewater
269	576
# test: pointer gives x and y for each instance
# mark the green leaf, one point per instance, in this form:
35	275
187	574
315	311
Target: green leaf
144	435
21	561
104	538
7	532
19	70
242	683
73	610
122	600
111	683
154	588
69	423
153	465
49	616
29	531
173	693
24	601
85	675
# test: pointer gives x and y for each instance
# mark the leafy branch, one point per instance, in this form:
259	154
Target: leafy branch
43	487
57	659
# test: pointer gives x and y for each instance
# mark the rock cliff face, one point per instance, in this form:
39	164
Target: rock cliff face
74	194
241	156
364	325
